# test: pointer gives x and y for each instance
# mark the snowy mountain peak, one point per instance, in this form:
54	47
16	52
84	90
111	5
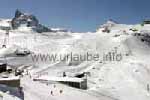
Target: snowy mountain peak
27	20
109	23
18	13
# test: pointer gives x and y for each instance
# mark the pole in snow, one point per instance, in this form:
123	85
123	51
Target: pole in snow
148	87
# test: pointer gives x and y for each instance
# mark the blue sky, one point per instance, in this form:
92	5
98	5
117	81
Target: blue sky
79	15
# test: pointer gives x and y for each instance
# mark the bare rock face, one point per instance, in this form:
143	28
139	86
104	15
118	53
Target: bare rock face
24	19
18	13
27	20
144	37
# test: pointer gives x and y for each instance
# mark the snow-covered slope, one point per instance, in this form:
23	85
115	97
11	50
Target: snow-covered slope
124	79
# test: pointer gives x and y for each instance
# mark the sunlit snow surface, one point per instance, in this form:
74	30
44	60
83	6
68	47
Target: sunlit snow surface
108	80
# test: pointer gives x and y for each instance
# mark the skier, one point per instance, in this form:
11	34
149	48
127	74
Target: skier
47	83
52	93
27	72
61	91
64	74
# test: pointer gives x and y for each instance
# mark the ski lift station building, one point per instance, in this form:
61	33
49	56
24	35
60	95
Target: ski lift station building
146	22
3	67
73	82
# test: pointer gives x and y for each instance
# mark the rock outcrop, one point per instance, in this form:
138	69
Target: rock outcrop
27	20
